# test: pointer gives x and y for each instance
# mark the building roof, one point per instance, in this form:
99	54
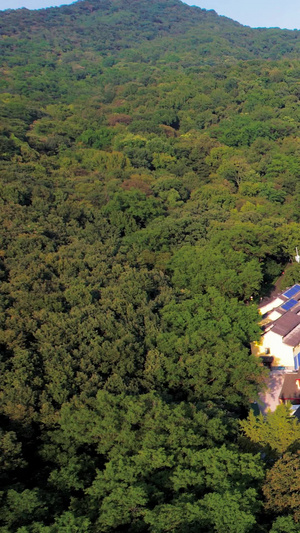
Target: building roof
296	308
278	299
290	390
282	298
293	338
289	293
286	323
281	315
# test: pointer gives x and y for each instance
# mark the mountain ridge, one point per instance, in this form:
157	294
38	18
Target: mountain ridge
124	24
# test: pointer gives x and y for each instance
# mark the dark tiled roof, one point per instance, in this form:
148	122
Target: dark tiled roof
293	338
286	323
289	389
296	309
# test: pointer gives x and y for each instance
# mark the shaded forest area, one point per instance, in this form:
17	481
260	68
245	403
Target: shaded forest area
149	191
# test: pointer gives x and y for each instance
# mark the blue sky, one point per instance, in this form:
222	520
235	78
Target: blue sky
32	4
257	13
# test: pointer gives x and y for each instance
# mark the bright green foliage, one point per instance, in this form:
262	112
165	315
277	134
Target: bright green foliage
68	523
278	430
205	352
99	138
285	524
232	274
19	508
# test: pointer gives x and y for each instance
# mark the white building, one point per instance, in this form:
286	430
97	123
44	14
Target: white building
280	340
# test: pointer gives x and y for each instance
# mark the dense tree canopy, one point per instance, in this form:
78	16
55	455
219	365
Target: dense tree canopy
149	184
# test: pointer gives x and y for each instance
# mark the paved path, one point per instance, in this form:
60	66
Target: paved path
270	398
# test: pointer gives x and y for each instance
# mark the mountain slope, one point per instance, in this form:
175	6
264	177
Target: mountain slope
111	25
149	197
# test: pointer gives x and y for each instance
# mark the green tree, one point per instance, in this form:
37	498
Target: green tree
282	485
277	430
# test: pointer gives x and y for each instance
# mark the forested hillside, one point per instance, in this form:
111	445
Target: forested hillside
150	196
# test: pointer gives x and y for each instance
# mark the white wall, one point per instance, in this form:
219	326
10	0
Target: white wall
271	305
274	315
296	350
282	353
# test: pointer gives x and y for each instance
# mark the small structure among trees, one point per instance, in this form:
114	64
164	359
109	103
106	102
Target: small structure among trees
279	346
280	339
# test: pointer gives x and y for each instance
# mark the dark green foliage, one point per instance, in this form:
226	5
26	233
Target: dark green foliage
149	188
154	464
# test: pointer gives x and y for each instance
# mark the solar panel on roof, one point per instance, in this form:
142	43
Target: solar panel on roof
293	290
289	304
